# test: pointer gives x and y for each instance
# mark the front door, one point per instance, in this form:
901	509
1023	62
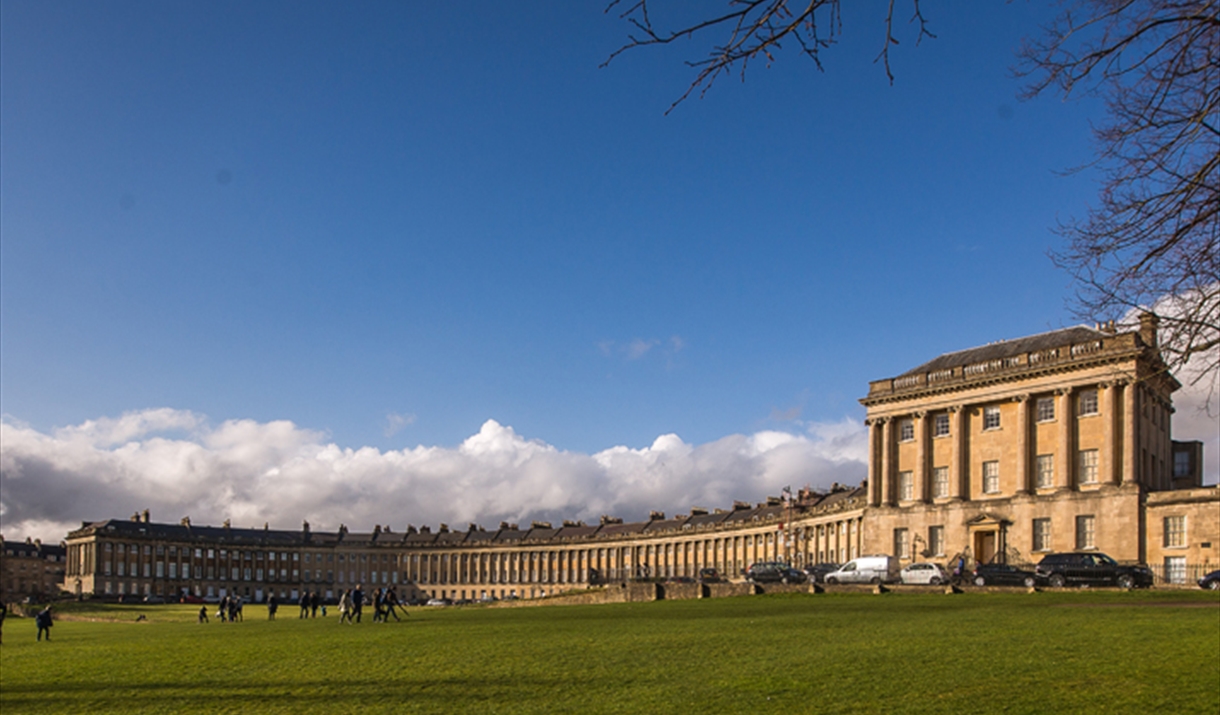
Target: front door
984	546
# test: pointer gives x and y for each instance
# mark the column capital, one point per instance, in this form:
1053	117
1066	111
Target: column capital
955	408
1023	397
1063	390
920	414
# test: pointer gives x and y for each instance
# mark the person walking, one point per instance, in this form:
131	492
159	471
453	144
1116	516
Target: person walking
390	601
203	614
44	622
314	601
304	604
273	605
357	602
345	608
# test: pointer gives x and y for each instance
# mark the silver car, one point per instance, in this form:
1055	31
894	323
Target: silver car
925	573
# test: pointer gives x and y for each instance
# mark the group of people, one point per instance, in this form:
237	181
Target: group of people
384	601
228	611
310	602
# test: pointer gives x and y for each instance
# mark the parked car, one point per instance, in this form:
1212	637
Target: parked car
154	598
867	569
774	572
190	598
1003	575
439	602
817	572
1211	581
1091	569
709	575
924	573
679	579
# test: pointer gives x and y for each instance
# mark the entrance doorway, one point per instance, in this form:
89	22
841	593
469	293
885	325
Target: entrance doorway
984	546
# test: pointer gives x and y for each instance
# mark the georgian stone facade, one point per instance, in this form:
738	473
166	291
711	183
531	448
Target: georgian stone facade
1053	442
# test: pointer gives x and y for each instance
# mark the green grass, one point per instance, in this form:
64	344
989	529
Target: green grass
1049	652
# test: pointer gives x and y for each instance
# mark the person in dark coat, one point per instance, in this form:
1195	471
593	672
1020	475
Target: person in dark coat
273	605
203	614
304	604
44	622
314	601
358	602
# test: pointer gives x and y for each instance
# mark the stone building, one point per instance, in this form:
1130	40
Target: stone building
139	556
1053	442
30	569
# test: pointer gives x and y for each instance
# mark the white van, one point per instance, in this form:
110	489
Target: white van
867	569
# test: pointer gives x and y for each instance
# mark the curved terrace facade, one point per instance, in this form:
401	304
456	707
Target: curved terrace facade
1054	442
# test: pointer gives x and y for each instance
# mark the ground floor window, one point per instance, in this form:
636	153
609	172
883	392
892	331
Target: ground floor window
1175	569
936	540
900	543
1084	532
1042	534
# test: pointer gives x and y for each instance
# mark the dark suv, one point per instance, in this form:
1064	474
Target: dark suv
774	571
1091	569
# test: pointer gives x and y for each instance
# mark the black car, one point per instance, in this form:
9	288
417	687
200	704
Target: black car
817	572
1211	581
774	572
1091	569
709	575
1003	575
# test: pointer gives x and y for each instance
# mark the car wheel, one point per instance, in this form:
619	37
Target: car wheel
1057	580
1125	581
832	580
935	581
1029	581
784	580
1214	585
875	580
980	581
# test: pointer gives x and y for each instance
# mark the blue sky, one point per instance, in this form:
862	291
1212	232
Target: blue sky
388	223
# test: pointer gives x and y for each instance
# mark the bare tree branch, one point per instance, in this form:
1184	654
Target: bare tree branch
1152	242
754	29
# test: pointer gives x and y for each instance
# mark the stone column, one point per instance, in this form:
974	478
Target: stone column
1110	456
874	462
1064	451
1023	480
958	471
1130	433
887	462
920	487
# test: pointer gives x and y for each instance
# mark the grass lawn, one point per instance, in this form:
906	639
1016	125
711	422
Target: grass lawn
1086	651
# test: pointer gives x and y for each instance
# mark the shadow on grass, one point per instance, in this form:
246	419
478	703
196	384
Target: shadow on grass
451	694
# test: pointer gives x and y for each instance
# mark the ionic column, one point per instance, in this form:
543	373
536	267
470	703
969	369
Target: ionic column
957	454
1023	481
1064	466
887	461
1130	433
920	487
874	454
1109	449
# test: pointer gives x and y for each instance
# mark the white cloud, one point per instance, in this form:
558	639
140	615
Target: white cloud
637	348
395	421
254	472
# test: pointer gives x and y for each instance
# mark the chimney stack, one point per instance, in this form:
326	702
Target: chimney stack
1148	325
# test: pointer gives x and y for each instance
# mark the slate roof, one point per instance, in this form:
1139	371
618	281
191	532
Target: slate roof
1009	348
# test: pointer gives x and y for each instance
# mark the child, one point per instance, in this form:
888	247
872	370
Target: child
203	614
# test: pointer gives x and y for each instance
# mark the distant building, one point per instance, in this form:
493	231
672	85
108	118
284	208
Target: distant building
1054	442
30	569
